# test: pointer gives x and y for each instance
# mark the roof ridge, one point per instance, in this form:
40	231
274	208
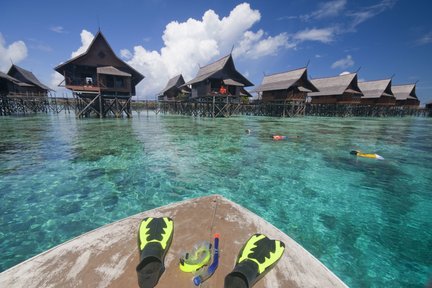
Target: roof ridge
215	61
407	84
375	80
349	74
286	71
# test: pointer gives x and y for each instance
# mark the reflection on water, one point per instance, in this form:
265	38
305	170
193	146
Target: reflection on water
369	221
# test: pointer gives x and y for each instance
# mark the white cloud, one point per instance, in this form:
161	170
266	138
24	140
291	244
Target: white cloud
343	63
324	35
126	54
365	13
86	39
344	73
56	79
58	29
326	10
15	52
426	39
197	42
254	45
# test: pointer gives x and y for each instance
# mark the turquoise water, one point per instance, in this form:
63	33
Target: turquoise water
369	221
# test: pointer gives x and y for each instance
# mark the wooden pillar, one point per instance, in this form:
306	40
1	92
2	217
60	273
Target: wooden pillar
100	107
214	102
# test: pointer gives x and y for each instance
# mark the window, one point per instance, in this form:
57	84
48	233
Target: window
119	82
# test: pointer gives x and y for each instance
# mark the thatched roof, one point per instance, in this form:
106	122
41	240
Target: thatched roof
100	54
376	89
285	80
174	82
404	92
337	85
222	69
26	76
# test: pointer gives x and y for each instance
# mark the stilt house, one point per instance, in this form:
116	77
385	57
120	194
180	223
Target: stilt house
286	86
101	81
218	89
341	89
20	82
377	92
405	95
174	90
219	79
10	85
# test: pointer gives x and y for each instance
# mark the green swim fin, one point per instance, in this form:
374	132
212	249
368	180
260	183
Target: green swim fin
154	239
255	259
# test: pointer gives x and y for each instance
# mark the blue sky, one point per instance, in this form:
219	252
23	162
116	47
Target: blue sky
163	38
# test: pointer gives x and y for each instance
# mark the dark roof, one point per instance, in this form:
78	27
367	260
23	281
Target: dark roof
404	92
7	77
376	89
336	85
285	80
221	69
176	81
99	38
29	77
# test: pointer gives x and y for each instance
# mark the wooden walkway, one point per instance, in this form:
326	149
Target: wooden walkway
287	109
22	104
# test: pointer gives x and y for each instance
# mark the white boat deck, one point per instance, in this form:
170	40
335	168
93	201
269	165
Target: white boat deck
108	256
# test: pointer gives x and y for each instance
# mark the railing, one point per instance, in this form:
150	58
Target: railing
27	94
82	84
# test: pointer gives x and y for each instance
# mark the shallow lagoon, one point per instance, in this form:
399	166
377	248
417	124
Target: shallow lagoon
369	221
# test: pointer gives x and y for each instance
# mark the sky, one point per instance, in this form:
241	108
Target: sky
378	39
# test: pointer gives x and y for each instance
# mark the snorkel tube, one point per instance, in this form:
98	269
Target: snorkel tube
205	274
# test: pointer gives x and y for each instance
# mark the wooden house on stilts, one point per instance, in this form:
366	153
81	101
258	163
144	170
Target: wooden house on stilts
102	83
377	93
22	92
405	95
173	98
341	89
218	89
27	84
337	96
175	90
12	86
284	94
377	99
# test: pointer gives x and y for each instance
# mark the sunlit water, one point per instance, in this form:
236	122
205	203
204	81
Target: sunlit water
369	221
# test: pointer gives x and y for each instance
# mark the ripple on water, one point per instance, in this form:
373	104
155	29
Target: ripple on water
367	220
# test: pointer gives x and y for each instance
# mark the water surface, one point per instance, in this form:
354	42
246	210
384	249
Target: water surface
369	221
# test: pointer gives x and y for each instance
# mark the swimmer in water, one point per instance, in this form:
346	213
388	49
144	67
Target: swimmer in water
366	155
279	137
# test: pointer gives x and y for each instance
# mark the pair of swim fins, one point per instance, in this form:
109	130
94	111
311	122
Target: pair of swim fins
255	259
